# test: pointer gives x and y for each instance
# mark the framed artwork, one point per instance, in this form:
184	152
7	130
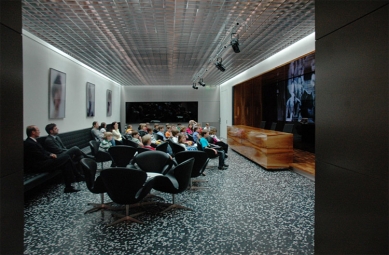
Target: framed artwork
90	99
109	102
57	94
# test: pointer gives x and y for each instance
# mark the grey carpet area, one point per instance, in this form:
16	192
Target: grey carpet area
246	210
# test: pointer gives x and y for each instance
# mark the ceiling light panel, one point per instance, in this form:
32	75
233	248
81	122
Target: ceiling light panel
150	42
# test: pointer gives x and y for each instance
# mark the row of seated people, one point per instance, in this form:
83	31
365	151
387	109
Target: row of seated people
191	132
55	155
150	141
143	129
52	155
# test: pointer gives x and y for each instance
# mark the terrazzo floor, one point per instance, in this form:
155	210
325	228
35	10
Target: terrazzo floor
245	210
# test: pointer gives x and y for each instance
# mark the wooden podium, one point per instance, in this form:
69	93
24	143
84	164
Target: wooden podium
270	149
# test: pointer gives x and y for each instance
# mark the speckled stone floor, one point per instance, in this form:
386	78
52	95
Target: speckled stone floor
246	210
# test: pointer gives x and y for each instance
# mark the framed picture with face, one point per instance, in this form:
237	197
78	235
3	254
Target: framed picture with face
57	94
90	99
109	102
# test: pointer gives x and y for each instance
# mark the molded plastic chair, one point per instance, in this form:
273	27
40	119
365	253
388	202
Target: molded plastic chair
94	185
153	161
288	128
190	137
263	124
273	126
176	147
126	186
142	133
99	156
159	137
175	181
130	143
122	154
141	149
200	163
162	147
211	153
210	140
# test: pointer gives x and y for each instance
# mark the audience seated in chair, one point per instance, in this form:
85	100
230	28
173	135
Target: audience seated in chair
96	134
160	134
136	138
146	140
142	129
168	132
37	159
155	130
217	150
103	127
100	156
218	141
117	136
128	130
176	147
189	129
153	136
53	144
195	134
107	142
174	137
187	145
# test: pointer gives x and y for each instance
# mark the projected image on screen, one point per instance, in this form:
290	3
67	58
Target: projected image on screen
137	112
300	91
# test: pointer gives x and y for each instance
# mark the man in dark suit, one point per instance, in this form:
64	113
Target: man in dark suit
53	144
37	159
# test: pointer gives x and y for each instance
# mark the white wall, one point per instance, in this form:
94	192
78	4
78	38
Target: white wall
294	51
208	98
38	58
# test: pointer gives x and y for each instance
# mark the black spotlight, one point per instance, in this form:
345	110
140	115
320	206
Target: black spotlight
201	82
219	65
235	43
194	86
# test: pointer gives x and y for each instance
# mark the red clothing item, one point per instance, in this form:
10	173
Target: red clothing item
149	147
189	131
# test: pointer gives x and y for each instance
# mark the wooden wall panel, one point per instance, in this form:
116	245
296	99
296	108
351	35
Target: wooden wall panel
238	106
256	88
262	97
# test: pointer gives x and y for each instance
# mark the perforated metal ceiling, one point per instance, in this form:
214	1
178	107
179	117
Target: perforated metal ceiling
150	42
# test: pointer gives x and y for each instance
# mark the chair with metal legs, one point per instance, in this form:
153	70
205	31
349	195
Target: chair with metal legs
99	156
94	185
174	182
122	154
126	186
201	160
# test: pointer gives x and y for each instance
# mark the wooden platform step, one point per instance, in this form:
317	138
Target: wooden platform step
305	169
